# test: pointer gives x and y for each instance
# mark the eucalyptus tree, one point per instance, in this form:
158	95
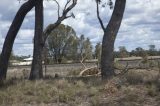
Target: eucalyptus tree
40	38
11	35
85	49
61	42
152	50
123	52
36	69
97	52
110	32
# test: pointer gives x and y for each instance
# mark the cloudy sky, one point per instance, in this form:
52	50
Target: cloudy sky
140	26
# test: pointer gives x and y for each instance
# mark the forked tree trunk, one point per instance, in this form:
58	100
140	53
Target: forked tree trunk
110	33
11	35
36	70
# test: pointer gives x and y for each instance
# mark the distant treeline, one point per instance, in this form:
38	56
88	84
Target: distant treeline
139	52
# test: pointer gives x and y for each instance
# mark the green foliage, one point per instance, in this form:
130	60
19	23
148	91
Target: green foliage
152	47
74	72
152	90
144	58
142	52
152	51
134	77
95	101
85	48
98	49
123	52
62	42
110	3
88	48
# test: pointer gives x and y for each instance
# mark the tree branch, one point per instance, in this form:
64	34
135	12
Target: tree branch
125	70
64	16
11	35
58	7
68	16
99	18
66	5
70	7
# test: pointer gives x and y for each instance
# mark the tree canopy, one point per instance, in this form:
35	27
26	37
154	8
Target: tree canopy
60	40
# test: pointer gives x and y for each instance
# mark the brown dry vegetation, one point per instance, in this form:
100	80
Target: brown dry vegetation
135	88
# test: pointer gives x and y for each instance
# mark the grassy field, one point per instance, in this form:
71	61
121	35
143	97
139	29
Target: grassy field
135	88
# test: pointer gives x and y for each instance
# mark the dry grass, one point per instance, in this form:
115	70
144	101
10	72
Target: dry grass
135	88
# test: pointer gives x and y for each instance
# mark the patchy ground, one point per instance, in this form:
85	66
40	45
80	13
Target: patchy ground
135	88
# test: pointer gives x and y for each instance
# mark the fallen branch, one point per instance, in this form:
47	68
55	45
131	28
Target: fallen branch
86	72
83	64
125	70
89	70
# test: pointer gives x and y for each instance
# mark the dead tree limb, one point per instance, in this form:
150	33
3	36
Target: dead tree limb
125	70
64	16
89	70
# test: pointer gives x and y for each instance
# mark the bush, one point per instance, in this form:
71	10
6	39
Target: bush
95	101
74	72
152	90
134	77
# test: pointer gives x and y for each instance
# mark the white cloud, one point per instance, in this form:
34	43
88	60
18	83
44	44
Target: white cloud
23	49
140	25
26	34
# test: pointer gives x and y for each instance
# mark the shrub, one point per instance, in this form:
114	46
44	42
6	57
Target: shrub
134	77
74	72
95	101
152	90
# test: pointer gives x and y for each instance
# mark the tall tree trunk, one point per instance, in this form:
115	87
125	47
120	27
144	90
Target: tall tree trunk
11	35
110	33
36	70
